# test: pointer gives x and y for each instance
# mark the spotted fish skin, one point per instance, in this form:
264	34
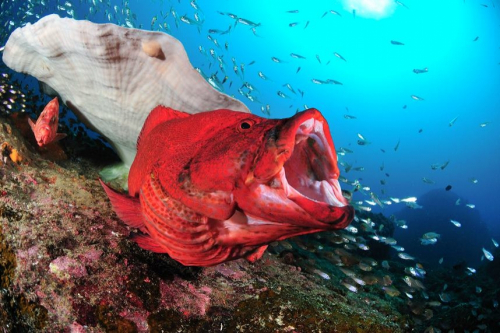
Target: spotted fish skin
221	185
45	128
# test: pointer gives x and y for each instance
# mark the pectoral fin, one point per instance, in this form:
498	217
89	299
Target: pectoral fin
59	136
32	124
257	254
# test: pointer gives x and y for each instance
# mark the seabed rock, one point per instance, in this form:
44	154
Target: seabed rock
66	265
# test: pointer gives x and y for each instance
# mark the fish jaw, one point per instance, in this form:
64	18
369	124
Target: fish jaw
43	135
295	177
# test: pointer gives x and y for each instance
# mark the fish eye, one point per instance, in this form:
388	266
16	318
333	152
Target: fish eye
245	124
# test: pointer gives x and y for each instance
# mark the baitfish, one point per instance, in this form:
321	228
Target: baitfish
395	42
420	71
221	185
45	128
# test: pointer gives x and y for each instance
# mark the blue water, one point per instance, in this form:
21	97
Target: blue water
463	80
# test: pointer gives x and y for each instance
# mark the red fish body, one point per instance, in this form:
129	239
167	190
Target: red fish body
45	128
221	185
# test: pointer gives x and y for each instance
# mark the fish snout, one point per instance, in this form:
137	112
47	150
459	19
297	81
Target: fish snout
299	159
44	136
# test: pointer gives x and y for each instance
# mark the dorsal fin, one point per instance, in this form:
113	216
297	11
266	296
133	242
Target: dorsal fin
159	115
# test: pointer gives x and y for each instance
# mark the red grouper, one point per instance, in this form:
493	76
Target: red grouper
45	128
220	185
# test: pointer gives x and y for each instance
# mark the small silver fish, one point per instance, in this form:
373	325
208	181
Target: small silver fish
420	71
290	88
350	287
296	56
428	181
488	255
339	56
376	199
248	22
316	81
401	4
397	145
334	82
430	241
415	97
456	223
405	256
452	122
430	235
362	141
282	95
445	298
262	76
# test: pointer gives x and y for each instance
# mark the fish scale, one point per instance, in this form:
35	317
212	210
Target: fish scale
169	204
164	225
162	221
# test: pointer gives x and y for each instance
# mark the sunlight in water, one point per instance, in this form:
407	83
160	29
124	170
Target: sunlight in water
376	9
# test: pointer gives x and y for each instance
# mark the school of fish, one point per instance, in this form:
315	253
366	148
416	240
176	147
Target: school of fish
225	72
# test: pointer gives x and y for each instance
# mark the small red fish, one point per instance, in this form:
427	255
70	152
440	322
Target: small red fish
45	128
221	185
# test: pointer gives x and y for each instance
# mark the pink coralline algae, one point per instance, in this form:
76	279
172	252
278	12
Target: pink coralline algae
65	268
189	299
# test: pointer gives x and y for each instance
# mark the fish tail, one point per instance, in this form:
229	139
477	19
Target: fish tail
126	207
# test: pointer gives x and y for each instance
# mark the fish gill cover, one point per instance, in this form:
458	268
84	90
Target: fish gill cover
410	91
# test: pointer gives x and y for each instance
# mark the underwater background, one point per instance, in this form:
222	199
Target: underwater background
410	89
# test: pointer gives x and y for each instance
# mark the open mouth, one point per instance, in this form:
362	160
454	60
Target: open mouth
311	171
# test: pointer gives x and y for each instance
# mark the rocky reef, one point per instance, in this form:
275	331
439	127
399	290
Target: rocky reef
66	265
